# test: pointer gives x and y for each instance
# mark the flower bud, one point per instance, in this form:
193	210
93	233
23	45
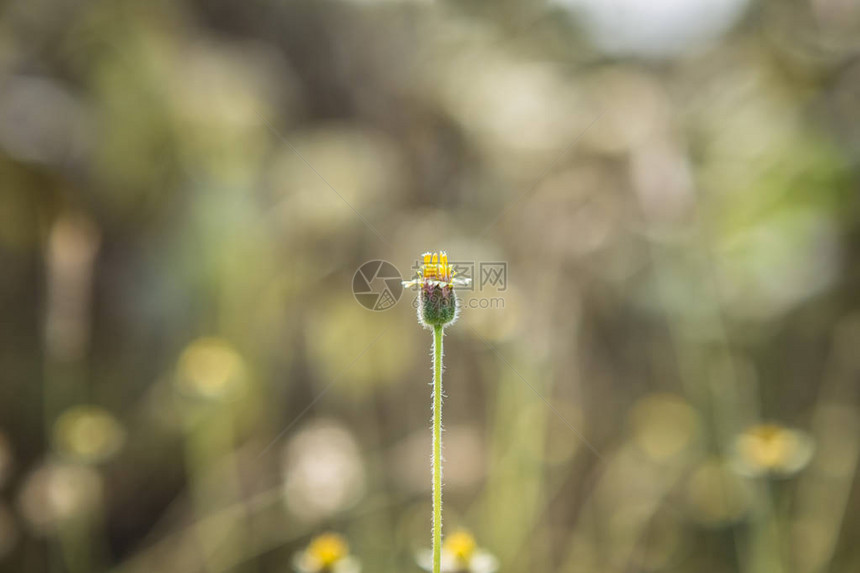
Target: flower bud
437	306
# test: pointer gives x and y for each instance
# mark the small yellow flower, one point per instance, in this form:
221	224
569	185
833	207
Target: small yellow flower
88	434
772	449
436	271
326	553
460	554
461	545
211	368
437	301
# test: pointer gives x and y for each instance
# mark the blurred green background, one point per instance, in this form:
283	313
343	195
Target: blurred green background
669	382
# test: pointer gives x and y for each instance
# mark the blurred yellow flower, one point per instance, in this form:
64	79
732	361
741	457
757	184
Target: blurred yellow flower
460	554
88	434
663	426
328	552
323	471
461	545
772	449
210	368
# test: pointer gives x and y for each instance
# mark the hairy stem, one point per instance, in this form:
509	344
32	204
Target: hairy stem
437	448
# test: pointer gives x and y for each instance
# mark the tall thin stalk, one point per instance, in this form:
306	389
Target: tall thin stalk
437	448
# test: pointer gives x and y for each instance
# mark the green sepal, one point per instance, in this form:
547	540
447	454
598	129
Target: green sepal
437	306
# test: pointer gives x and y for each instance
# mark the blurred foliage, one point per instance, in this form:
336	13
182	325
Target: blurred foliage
668	382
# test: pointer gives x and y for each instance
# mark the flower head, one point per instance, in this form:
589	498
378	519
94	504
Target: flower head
436	281
326	553
436	271
772	449
460	554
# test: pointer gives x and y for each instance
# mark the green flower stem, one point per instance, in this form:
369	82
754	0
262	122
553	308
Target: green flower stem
437	448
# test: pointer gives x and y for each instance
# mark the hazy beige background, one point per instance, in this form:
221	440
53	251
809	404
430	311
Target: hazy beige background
187	188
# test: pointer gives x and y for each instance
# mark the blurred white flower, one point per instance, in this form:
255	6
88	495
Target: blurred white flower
57	493
771	449
323	471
